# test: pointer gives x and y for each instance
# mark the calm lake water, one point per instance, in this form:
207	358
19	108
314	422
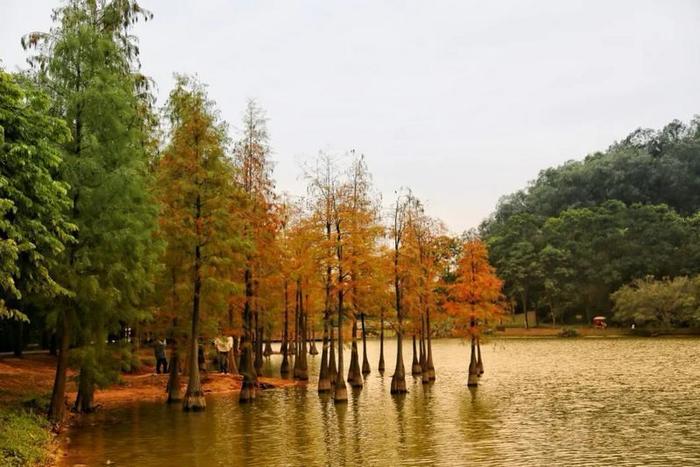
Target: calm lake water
540	402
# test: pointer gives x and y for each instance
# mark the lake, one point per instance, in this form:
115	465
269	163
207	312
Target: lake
612	401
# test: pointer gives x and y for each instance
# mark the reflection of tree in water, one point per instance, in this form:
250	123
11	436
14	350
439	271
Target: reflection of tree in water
341	411
302	430
421	421
359	434
247	423
326	405
399	401
478	419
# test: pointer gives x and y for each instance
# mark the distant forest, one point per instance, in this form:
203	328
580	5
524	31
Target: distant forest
581	231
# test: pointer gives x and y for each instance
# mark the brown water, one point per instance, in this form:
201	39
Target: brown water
540	402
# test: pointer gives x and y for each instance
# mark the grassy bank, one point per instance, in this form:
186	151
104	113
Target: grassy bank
25	438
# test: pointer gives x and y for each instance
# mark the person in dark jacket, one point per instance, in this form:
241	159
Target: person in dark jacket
159	350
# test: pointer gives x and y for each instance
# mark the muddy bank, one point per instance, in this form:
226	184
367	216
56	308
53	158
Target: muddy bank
31	377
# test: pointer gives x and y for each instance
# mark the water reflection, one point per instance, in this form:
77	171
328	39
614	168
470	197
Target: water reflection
571	402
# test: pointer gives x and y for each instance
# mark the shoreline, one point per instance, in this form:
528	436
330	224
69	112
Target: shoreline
590	332
26	383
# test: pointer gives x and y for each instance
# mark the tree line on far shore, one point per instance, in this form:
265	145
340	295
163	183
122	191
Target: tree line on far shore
591	237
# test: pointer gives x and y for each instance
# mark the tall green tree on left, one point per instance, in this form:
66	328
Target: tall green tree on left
34	228
88	63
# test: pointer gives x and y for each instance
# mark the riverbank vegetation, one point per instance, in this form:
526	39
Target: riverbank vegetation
582	231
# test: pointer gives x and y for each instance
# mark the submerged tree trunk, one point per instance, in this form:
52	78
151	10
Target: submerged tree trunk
57	408
365	362
324	382
284	367
429	356
332	368
425	374
303	373
354	372
473	379
398	380
194	397
415	365
297	335
381	366
479	362
341	390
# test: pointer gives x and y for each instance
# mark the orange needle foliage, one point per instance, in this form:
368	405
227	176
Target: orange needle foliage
475	297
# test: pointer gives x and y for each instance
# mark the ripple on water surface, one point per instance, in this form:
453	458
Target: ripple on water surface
541	402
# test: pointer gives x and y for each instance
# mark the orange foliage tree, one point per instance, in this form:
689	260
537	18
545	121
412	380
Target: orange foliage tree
199	201
474	299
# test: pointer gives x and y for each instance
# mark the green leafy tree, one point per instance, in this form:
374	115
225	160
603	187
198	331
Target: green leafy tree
87	64
659	303
34	228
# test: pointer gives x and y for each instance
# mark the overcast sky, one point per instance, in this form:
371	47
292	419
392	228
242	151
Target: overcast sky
461	101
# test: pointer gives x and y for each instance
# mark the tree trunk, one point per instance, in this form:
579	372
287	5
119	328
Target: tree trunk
18	346
398	380
268	346
381	366
332	368
303	372
250	377
236	357
341	391
312	348
428	332
86	390
258	342
297	335
174	390
479	362
415	364
324	382
523	297
194	397
57	408
284	368
425	374
365	362
473	379
354	372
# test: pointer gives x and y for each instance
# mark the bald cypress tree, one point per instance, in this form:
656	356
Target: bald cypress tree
200	212
87	63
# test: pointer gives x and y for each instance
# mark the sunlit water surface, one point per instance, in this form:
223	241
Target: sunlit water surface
540	402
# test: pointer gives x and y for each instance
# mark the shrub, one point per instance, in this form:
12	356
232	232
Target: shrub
568	332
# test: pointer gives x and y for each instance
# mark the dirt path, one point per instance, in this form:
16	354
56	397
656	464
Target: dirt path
32	376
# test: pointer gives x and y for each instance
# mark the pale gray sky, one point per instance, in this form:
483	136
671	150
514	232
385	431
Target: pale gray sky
463	101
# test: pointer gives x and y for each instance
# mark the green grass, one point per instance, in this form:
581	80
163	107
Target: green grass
25	438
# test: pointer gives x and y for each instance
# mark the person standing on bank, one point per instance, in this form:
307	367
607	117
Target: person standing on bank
223	345
159	350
